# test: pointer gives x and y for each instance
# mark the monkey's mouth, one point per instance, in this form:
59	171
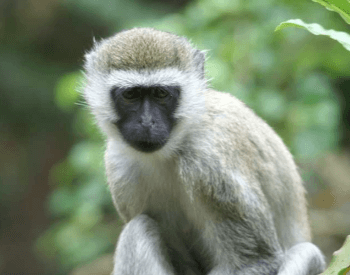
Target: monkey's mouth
146	146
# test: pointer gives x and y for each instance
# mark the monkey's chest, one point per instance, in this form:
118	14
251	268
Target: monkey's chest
181	220
160	194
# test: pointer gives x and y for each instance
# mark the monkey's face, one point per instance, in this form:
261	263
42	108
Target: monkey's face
146	114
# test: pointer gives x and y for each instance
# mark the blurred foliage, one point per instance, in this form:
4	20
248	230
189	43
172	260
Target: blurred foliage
66	91
286	77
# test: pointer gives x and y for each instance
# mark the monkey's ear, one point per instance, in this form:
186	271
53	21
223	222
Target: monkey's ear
199	60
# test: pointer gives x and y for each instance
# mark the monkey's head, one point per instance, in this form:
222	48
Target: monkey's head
145	87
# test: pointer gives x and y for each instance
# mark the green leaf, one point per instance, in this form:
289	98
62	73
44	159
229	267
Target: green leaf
340	263
340	6
342	37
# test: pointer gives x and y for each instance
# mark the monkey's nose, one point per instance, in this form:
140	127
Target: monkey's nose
147	121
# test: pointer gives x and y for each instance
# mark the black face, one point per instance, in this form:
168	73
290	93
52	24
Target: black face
146	114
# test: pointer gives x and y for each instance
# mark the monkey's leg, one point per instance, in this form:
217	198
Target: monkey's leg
140	250
302	259
257	267
241	249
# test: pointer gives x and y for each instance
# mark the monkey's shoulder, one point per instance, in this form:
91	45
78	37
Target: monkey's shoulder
231	117
238	134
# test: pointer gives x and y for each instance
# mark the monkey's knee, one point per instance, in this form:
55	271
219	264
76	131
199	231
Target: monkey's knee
303	259
140	249
140	224
141	228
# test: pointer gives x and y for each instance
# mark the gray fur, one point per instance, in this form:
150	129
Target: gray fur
223	196
146	48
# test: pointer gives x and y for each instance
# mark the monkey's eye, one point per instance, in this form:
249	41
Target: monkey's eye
159	93
132	94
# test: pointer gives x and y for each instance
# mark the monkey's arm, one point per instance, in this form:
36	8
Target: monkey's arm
141	250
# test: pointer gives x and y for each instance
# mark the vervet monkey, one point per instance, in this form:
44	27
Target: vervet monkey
204	185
